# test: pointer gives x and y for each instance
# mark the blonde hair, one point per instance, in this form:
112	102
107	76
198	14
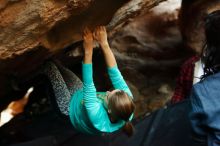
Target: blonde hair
122	107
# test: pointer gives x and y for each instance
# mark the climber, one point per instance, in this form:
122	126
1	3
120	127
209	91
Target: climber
89	111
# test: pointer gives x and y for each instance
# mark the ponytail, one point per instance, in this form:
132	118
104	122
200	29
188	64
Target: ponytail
122	107
128	129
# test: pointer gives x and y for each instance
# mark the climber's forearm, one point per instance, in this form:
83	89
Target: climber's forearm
108	54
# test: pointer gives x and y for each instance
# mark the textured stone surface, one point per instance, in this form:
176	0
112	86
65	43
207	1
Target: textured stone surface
24	24
56	24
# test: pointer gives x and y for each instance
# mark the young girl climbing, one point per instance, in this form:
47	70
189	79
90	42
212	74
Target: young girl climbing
90	111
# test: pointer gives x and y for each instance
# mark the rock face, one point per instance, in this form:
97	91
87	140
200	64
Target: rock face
33	30
56	24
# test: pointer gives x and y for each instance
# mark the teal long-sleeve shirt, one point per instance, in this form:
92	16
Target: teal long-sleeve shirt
87	112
